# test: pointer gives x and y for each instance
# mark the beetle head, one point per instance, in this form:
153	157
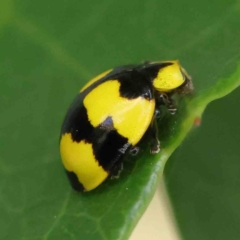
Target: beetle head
171	76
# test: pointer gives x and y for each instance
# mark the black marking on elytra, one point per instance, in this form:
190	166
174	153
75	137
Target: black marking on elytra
108	154
135	84
76	185
76	121
107	145
138	81
150	71
114	74
106	141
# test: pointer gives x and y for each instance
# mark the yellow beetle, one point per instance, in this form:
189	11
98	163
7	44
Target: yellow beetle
110	116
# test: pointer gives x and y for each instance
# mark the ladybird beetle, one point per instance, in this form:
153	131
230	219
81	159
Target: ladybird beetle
111	114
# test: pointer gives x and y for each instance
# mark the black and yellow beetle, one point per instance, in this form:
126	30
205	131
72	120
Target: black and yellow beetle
110	116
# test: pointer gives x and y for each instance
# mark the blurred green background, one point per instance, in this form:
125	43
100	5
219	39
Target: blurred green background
202	176
49	50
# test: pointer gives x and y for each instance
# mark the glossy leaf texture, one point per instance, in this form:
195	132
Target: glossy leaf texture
49	49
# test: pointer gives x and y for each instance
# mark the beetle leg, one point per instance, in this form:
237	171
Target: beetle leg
168	102
155	147
116	170
134	151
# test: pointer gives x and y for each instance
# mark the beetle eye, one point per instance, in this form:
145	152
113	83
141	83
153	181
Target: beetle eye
185	74
186	87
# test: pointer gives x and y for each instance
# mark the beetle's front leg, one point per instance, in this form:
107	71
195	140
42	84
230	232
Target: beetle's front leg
155	147
116	170
134	150
168	102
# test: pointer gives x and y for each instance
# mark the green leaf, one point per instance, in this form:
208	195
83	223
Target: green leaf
49	49
203	175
